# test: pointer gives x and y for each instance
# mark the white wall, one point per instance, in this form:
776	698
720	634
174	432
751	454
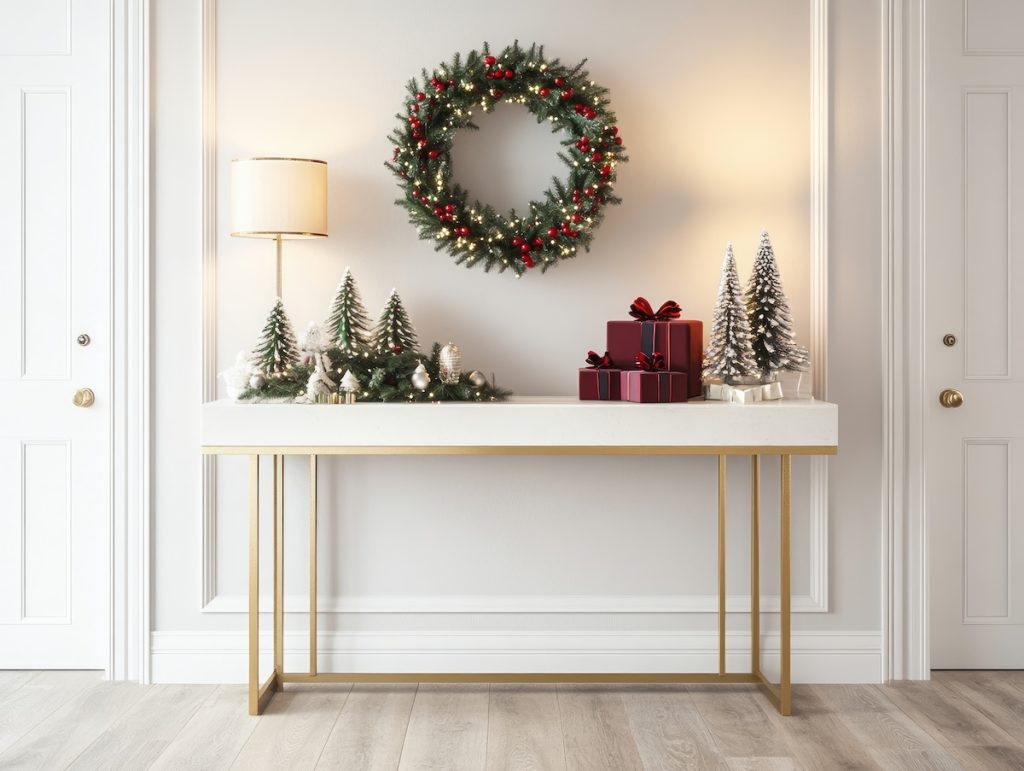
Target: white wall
713	101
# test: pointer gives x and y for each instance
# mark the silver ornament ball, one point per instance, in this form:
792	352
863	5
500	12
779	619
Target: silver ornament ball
420	378
257	381
477	379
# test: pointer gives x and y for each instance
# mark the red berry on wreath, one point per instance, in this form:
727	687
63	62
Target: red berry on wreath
618	140
552	232
490	60
566	94
414	108
528	261
420	96
509	74
438	211
449	207
423	143
525	248
596	157
432	154
538	242
559	82
517	241
615	131
577	218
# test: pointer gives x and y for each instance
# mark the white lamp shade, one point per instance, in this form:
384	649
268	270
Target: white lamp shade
278	197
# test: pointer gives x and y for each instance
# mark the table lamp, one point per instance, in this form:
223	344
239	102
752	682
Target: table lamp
278	198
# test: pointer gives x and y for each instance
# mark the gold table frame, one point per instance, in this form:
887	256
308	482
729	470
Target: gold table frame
779	694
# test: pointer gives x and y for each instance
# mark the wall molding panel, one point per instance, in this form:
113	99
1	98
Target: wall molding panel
817	598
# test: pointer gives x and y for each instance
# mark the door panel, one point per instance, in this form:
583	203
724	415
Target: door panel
974	289
55	273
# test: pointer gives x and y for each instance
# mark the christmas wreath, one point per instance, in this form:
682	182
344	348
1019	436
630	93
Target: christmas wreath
558	224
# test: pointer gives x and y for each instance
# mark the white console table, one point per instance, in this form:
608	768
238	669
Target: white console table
518	427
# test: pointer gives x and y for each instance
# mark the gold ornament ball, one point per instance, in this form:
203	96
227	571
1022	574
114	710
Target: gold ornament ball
477	379
450	364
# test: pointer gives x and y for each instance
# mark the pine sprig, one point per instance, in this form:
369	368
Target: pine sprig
565	217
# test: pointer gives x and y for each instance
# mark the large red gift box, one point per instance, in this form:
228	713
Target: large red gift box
680	342
643	386
600	384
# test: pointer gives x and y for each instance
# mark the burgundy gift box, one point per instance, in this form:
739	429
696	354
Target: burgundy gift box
643	386
680	342
600	384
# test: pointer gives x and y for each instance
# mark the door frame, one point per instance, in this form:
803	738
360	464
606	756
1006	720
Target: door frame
905	618
129	516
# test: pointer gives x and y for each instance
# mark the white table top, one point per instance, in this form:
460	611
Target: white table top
522	426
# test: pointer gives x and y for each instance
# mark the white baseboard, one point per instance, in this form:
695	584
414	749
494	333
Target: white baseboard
660	603
221	657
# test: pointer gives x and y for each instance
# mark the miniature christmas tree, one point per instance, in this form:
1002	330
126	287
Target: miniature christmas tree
277	350
348	324
729	356
394	332
775	348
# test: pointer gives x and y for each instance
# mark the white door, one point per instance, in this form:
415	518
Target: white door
55	245
974	291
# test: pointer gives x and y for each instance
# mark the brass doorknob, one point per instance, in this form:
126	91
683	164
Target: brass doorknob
84	397
951	398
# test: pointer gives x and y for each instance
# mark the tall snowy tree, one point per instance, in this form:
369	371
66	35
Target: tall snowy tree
277	350
348	324
775	348
729	356
394	332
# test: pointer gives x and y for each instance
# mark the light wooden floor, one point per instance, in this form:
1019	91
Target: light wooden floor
55	720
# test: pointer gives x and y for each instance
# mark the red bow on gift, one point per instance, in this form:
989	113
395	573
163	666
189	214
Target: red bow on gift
641	310
652	363
598	362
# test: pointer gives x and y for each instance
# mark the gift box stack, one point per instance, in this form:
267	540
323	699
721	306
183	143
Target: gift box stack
656	357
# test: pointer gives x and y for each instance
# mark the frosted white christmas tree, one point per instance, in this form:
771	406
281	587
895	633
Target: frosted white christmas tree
729	356
277	351
348	323
775	348
394	332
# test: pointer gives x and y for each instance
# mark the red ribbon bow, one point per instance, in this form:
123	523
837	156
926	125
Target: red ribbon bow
597	361
653	363
641	310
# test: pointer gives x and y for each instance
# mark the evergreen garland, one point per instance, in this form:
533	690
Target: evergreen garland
385	377
729	356
775	347
558	224
277	351
348	324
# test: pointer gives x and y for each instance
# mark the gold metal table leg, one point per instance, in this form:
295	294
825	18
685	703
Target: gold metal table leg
254	584
755	563
312	564
721	564
785	615
279	569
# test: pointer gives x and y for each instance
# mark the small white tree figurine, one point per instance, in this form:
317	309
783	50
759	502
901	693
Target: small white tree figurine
729	356
314	348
